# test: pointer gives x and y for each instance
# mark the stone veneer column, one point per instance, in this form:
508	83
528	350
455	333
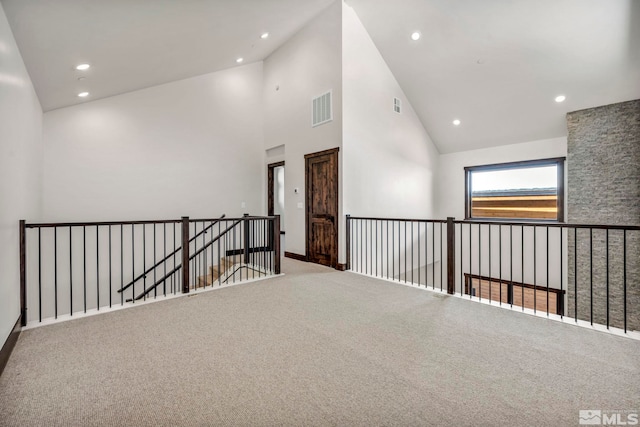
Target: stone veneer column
603	173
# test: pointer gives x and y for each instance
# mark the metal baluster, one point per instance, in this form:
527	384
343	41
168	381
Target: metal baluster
121	263
575	274
411	253
510	294
393	250
144	261
470	262
155	278
461	264
490	282
419	258
426	254
366	247
84	268
376	248
70	272
548	271
522	266
535	284
39	274
441	258
220	255
433	255
133	262
500	262
110	270
480	261
607	267
360	250
97	268
173	281
591	271
164	264
561	272
624	278
55	272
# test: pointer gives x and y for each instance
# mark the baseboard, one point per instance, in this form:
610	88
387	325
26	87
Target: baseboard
8	346
341	267
295	256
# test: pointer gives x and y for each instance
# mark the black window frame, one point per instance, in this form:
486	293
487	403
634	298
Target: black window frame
554	161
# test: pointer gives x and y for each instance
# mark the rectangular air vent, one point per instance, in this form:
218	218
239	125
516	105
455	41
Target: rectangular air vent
396	105
321	110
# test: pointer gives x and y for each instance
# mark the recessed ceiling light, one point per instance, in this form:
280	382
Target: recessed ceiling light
83	94
456	122
239	60
83	67
560	98
264	35
415	36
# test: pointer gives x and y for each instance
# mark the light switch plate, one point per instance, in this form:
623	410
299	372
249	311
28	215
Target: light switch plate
300	205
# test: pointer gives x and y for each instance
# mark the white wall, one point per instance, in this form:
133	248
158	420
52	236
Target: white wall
450	179
390	161
20	166
191	147
307	65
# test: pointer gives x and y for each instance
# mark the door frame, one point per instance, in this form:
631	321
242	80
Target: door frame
307	185
270	179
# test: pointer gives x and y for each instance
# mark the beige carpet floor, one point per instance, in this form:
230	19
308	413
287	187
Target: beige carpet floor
316	347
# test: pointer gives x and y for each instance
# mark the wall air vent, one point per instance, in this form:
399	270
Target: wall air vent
321	110
396	105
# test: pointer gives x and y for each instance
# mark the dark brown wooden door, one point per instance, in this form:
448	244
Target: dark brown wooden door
321	179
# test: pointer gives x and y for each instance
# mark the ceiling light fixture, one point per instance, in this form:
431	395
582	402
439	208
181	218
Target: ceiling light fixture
83	94
415	36
264	36
560	98
83	67
456	122
239	60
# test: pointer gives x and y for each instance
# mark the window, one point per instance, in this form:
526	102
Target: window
532	190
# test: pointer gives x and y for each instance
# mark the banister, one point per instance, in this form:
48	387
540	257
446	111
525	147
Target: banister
150	269
191	257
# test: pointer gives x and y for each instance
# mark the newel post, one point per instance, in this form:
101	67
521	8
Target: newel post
276	243
347	231
185	254
451	256
247	241
23	273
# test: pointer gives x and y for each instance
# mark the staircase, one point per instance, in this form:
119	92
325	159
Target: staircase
215	272
230	270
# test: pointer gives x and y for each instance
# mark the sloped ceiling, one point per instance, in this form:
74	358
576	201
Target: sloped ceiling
133	44
496	65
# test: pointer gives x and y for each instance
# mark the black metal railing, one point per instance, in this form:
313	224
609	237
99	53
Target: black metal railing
586	272
404	250
68	268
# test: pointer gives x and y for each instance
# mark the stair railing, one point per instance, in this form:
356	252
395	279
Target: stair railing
165	259
83	267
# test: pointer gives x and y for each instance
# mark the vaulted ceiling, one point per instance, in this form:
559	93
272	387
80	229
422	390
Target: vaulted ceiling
495	65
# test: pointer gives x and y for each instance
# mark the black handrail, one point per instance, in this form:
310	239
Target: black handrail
195	254
150	269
